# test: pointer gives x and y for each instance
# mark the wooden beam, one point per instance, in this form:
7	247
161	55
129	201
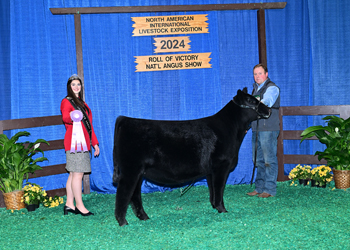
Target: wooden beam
54	145
303	159
31	122
280	151
316	110
58	192
2	202
79	51
49	170
262	37
86	183
166	8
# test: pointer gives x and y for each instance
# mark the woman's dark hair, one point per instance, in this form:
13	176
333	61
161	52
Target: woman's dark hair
78	101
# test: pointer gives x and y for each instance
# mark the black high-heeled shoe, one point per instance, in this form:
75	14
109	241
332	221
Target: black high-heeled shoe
77	211
67	210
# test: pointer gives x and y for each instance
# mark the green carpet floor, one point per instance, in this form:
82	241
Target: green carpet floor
297	217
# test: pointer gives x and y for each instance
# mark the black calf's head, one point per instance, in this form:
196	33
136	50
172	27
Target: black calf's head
244	100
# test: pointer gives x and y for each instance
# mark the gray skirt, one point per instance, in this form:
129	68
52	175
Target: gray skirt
78	162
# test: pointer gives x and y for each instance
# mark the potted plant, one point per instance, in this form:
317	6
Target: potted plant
300	173
336	136
16	162
33	196
320	176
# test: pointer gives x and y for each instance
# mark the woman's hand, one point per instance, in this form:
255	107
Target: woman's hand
97	150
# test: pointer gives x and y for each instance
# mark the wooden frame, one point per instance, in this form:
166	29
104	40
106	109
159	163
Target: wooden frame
54	145
56	120
341	110
77	12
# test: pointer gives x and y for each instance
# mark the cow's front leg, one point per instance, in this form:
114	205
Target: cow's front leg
136	202
210	187
219	181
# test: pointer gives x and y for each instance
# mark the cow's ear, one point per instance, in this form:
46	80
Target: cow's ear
245	90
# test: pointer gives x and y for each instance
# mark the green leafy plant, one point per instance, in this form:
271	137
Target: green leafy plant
16	160
321	175
336	137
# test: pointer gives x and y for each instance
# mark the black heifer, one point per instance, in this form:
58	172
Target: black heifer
175	152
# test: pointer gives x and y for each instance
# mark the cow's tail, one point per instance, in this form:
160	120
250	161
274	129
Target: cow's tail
116	172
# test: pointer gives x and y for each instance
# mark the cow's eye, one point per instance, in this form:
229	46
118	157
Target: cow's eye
251	101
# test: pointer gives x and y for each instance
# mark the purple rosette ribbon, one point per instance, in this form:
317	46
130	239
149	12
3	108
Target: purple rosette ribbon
78	138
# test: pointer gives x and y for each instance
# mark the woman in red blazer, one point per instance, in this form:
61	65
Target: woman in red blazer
78	163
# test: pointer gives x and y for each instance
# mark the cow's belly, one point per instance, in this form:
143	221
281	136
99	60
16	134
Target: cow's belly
174	175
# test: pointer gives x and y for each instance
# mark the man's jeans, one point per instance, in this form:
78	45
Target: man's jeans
266	161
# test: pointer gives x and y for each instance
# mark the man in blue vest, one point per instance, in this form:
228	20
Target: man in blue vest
268	130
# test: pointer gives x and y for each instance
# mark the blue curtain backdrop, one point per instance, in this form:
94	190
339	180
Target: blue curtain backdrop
307	54
5	65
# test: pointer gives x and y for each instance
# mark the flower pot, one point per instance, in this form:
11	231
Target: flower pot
13	200
313	184
32	207
303	182
341	178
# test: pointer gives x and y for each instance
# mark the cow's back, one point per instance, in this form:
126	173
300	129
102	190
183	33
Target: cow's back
168	152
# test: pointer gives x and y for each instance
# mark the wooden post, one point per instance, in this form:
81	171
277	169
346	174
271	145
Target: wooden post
281	175
262	37
79	50
80	68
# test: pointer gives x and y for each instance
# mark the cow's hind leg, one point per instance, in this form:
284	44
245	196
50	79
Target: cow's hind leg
136	202
125	190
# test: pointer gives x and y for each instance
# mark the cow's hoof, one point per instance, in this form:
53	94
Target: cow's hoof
221	209
143	217
224	211
122	222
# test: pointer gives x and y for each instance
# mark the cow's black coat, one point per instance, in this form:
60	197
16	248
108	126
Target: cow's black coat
175	152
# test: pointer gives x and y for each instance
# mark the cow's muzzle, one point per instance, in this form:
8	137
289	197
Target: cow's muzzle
261	114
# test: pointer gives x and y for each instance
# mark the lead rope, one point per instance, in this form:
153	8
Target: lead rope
183	191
